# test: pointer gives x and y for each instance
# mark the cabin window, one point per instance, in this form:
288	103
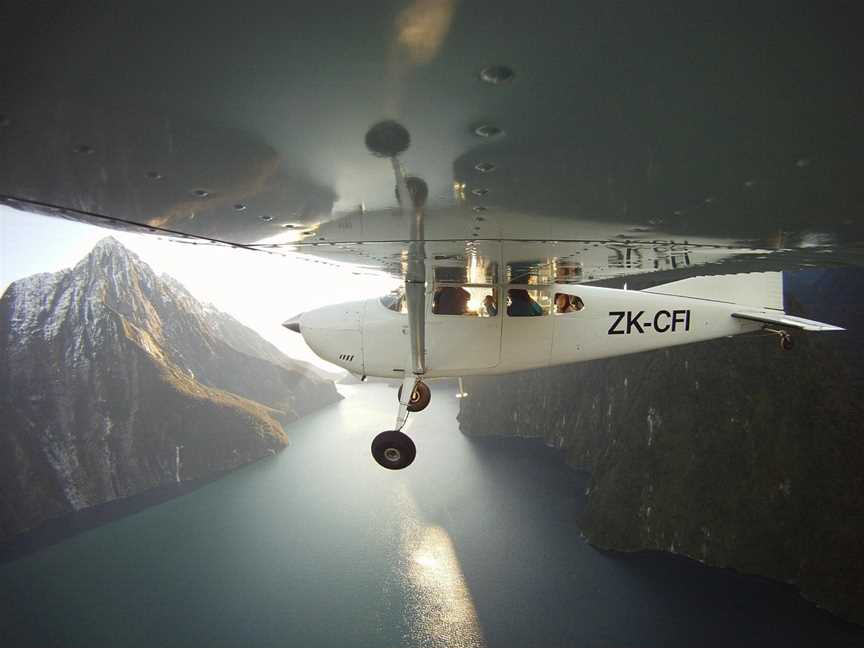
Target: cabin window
528	302
395	301
470	301
535	272
565	303
470	270
567	271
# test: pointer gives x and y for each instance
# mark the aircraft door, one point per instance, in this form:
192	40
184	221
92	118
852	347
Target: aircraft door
526	340
463	328
572	323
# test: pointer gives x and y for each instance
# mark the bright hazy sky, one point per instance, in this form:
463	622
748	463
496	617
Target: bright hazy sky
260	290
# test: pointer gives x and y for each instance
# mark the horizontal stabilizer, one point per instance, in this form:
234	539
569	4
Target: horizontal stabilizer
754	289
787	321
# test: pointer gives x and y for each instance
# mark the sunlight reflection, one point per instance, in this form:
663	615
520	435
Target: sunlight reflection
420	31
425	560
438	605
422	27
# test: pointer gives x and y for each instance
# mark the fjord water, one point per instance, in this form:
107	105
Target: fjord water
477	544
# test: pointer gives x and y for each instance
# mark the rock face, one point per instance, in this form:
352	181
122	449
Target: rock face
731	452
114	380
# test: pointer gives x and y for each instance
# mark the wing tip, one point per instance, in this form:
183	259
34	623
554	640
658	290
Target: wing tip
788	321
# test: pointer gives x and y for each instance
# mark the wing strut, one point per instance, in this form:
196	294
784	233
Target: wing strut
388	139
412	192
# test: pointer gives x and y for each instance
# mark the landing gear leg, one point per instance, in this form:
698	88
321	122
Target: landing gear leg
393	449
787	343
461	393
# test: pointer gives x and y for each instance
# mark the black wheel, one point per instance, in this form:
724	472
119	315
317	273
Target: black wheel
388	139
420	397
417	189
393	450
786	342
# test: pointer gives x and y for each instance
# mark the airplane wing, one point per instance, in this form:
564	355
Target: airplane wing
615	139
786	321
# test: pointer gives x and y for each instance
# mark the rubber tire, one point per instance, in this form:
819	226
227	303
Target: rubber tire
393	440
417	189
387	139
419	399
786	342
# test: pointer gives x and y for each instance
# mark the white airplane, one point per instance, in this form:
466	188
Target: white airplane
491	312
556	148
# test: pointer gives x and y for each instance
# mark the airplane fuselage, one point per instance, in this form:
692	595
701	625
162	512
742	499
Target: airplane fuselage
368	338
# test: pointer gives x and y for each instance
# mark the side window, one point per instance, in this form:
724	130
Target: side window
565	303
395	301
471	301
527	302
568	271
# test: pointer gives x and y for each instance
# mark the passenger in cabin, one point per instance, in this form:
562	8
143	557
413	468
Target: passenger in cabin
568	303
451	300
490	306
521	304
563	304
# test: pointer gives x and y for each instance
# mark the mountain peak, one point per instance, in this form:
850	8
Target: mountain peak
108	241
112	256
109	245
129	371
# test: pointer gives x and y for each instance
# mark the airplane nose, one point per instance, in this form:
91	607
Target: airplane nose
293	324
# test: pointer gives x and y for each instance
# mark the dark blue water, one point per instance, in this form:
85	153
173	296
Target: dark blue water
475	545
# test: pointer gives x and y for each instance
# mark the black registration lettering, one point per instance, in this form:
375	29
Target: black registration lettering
619	315
664	326
662	321
633	321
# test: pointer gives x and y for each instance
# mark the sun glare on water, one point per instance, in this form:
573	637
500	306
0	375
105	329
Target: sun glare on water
439	606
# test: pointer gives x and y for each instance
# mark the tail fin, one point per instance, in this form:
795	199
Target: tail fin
762	290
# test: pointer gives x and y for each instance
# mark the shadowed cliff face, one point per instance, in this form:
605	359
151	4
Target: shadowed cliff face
730	452
114	381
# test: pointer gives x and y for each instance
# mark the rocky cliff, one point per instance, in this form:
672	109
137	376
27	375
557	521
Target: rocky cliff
731	452
114	380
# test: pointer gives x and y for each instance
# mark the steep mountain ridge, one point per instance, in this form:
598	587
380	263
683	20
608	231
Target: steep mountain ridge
114	380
